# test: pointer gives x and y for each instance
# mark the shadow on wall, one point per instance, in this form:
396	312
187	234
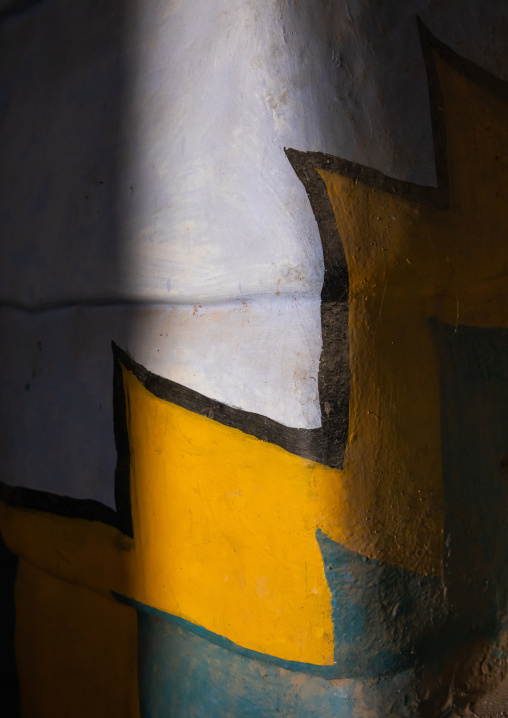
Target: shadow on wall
8	675
62	80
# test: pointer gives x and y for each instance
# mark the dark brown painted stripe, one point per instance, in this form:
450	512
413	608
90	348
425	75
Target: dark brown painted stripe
302	442
60	505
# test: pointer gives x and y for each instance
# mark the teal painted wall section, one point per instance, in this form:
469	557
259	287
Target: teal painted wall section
385	618
185	674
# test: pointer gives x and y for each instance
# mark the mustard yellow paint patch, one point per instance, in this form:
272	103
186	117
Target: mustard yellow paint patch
224	533
76	651
225	528
88	553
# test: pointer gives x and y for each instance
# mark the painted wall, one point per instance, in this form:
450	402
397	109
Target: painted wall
254	308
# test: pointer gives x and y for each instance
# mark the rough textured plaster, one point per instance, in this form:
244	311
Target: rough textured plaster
174	188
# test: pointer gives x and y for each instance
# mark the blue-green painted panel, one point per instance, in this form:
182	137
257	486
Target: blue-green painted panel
184	675
385	618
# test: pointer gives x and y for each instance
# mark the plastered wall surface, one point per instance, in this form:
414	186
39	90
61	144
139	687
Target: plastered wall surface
259	487
168	184
60	363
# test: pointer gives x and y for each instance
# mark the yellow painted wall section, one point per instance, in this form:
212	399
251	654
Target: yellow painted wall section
407	264
76	650
225	533
225	529
87	553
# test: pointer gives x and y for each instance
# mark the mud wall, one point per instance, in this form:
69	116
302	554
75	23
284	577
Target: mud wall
253	297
